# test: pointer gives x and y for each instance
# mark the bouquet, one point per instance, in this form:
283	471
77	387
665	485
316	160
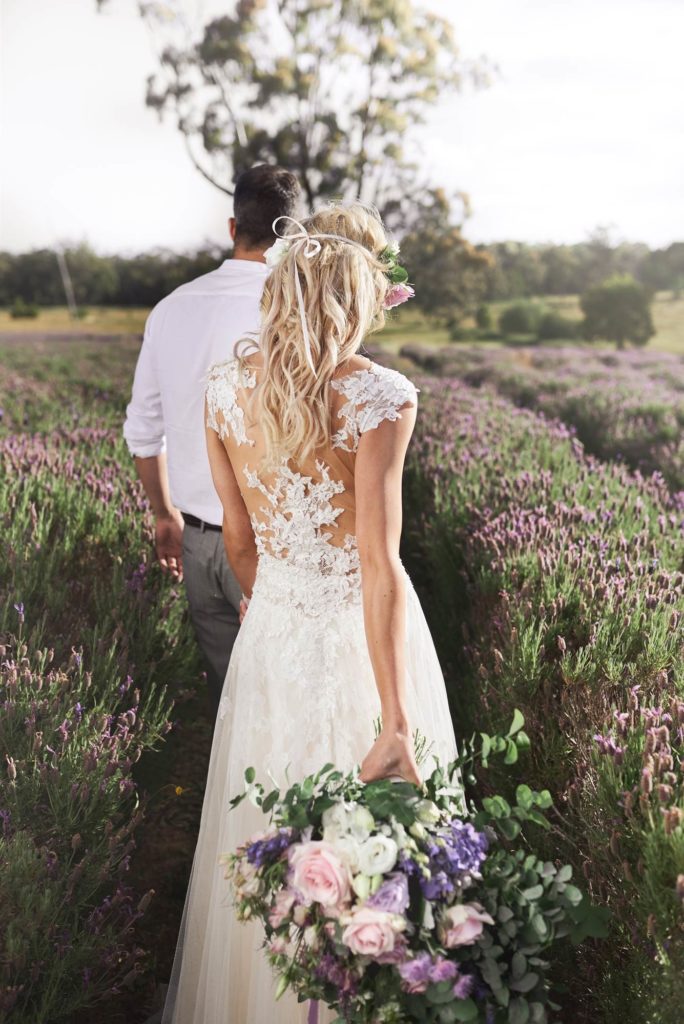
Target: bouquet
390	903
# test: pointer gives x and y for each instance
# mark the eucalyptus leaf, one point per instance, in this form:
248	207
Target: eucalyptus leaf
466	1009
517	723
526	983
518	1012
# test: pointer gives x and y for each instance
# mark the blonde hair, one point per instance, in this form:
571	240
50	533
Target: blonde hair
343	289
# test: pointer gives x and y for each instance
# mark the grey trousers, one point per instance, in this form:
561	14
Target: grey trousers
214	599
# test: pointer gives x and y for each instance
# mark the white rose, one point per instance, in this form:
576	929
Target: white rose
377	855
427	812
277	252
347	849
336	821
361	823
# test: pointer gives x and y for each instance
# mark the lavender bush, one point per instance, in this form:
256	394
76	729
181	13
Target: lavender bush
553	584
92	637
627	406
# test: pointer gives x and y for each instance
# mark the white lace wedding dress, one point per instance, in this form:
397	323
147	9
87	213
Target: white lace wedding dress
300	689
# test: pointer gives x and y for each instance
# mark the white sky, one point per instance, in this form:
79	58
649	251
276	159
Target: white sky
584	126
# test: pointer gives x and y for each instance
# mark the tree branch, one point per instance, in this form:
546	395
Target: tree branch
205	174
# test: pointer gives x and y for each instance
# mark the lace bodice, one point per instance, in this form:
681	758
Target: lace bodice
304	515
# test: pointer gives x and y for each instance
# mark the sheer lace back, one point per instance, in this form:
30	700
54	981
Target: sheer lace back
304	515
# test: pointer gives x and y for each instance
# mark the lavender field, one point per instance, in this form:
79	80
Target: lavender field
543	528
623	406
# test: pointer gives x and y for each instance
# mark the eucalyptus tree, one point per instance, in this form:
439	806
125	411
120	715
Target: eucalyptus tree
332	89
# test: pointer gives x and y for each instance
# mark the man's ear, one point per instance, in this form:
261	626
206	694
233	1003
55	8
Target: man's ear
232	228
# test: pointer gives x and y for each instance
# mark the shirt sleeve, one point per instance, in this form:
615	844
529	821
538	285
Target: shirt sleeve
144	425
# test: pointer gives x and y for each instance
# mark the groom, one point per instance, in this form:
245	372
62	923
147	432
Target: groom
195	326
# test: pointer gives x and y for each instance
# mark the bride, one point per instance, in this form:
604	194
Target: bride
306	441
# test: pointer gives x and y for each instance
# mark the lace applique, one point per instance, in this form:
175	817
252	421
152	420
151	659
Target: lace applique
223	411
372	395
292	527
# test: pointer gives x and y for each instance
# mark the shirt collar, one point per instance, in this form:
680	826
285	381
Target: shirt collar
245	266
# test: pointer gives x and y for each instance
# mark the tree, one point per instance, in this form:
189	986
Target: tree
618	310
483	317
448	271
520	318
328	88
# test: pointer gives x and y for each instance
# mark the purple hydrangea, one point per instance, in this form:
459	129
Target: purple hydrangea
392	896
267	851
415	974
461	851
464	986
443	970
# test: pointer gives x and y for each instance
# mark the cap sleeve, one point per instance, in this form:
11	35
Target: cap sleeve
224	414
373	396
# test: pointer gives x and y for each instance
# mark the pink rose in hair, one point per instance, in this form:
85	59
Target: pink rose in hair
319	874
397	294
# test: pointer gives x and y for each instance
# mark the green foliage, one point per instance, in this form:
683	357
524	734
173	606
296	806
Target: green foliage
483	317
328	88
618	310
555	327
520	318
447	271
532	902
90	636
32	279
551	587
21	310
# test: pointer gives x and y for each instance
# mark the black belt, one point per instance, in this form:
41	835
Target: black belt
199	523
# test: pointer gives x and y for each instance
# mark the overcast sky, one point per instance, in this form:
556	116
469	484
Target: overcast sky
584	126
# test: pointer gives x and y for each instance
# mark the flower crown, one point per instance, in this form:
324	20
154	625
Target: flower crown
310	244
401	291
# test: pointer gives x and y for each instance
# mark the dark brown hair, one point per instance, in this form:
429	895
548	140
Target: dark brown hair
262	194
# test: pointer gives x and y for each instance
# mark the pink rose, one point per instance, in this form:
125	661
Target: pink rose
281	908
462	925
319	874
372	932
397	294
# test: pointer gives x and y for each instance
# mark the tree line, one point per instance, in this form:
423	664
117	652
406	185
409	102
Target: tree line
453	278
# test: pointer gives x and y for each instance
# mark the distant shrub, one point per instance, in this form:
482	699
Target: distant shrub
618	310
555	327
20	310
457	332
520	318
483	317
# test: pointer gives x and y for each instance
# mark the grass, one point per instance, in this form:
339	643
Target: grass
404	326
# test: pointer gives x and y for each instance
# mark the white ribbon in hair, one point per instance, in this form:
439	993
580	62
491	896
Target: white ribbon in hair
312	248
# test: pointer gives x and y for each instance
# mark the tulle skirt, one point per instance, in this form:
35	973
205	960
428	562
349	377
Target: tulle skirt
299	692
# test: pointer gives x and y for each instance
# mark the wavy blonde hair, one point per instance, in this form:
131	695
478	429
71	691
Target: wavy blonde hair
343	288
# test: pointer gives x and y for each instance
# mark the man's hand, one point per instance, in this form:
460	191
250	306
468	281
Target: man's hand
168	543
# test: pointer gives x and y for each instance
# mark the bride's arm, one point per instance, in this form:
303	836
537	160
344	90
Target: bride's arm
377	477
238	536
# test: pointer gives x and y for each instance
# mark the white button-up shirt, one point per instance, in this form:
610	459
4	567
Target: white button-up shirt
195	326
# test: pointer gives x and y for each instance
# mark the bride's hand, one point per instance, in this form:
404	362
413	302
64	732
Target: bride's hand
391	754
